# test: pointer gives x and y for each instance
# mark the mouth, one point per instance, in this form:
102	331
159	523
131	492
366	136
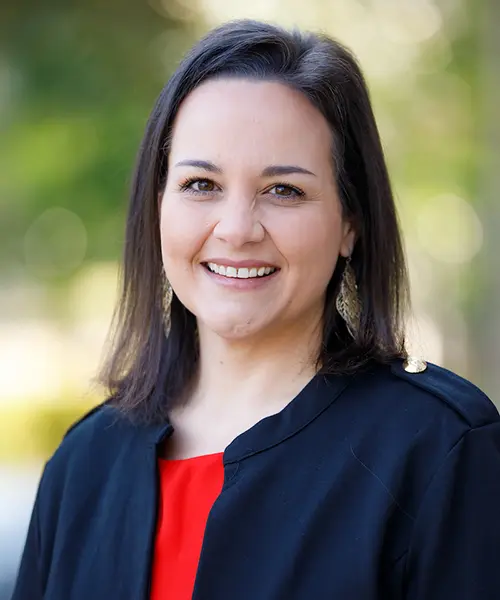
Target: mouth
251	272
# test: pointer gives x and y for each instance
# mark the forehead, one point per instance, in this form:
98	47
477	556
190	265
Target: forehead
252	121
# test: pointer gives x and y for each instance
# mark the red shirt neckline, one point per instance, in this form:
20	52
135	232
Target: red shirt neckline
188	489
200	458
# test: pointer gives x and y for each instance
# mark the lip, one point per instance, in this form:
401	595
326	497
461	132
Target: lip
239	264
235	283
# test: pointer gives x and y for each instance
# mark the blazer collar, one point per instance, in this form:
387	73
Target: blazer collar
309	403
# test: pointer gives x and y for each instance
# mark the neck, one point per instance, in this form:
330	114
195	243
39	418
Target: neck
258	373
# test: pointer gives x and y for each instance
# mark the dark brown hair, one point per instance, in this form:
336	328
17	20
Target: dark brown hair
147	370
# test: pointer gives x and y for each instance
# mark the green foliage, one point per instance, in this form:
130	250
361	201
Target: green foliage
79	79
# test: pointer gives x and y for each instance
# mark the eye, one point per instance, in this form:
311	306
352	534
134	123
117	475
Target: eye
285	191
197	185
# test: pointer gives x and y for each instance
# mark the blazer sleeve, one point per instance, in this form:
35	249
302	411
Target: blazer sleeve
30	577
455	548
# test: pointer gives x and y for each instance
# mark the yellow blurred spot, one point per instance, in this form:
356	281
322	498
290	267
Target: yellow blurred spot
56	243
449	229
408	21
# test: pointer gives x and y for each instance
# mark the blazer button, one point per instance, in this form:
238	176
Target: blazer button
414	365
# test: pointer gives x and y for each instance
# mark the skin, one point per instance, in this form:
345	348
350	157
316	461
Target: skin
265	337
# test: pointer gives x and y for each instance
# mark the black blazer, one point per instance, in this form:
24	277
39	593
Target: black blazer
380	486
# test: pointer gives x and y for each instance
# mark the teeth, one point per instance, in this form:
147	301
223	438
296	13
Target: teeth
243	273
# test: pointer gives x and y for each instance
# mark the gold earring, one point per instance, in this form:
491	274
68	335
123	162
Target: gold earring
348	303
166	297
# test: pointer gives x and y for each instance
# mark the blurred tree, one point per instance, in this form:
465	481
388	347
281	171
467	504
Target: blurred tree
439	152
485	318
78	79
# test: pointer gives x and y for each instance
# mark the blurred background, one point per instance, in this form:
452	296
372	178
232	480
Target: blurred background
77	81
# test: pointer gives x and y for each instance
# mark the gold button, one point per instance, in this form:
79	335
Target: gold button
414	365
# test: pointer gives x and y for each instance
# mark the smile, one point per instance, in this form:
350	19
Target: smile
240	273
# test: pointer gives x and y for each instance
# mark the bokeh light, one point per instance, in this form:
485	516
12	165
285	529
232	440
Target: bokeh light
408	21
56	243
449	229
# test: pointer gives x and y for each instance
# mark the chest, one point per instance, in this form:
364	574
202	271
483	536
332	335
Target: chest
284	527
190	437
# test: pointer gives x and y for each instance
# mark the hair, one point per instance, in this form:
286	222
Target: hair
148	366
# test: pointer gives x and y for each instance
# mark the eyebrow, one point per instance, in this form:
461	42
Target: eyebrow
276	170
200	164
270	171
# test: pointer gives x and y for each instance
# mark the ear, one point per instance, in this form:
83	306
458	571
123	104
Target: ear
348	239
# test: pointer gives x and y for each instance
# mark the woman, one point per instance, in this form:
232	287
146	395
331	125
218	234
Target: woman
266	436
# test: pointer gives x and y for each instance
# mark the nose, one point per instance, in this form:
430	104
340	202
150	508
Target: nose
238	224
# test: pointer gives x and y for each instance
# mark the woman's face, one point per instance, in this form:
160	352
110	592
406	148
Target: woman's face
251	223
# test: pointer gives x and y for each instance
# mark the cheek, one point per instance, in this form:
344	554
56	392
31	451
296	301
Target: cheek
310	243
182	234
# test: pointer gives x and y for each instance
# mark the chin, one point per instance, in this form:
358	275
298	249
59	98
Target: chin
234	329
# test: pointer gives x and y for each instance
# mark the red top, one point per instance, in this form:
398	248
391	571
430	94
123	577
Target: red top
188	489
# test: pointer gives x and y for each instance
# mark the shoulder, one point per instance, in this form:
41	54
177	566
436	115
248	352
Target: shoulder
442	391
97	458
98	419
404	402
407	421
97	455
103	423
93	443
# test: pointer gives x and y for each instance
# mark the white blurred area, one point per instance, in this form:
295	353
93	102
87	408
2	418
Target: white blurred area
54	352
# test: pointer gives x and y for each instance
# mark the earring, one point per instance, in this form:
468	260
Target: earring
166	300
348	303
